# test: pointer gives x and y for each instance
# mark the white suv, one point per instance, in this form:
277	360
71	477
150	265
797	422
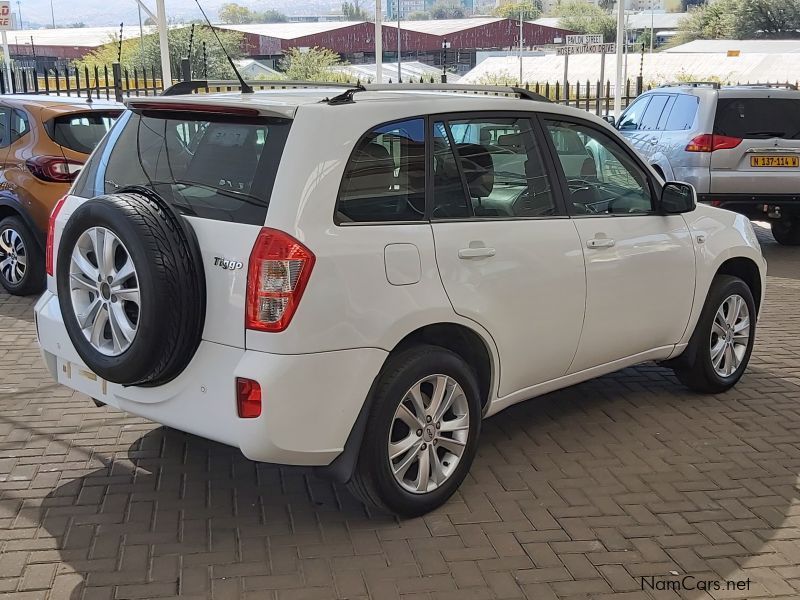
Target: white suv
354	279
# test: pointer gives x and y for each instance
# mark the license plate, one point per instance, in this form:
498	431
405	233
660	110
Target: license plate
775	161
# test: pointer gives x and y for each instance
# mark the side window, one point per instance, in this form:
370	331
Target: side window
385	177
632	117
19	125
489	167
603	178
683	113
5	126
653	113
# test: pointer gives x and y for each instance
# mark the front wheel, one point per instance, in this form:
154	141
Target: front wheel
786	233
723	340
422	432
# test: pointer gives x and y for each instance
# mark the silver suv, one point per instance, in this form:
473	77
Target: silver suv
739	146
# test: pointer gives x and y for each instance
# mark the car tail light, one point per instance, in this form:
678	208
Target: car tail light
54	168
277	276
248	398
51	232
708	142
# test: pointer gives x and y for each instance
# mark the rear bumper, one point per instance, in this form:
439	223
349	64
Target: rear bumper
756	206
309	401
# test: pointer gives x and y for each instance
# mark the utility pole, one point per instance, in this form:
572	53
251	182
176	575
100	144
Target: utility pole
163	42
52	14
520	43
379	42
141	35
620	48
399	59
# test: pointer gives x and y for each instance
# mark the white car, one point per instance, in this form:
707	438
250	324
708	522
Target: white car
354	279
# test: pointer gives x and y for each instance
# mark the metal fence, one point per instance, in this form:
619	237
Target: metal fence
113	82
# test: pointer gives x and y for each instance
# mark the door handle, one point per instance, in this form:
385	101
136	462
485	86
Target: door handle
600	243
479	252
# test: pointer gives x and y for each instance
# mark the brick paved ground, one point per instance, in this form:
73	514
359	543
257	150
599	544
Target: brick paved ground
576	495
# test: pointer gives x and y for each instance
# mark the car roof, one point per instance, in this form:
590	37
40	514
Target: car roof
285	102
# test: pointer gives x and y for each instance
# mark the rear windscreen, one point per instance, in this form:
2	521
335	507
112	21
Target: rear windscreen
758	118
81	132
212	167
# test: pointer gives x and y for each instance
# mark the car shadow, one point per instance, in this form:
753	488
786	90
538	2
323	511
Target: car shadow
642	474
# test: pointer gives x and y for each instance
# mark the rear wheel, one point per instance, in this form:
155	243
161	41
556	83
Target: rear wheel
422	432
21	261
723	340
786	232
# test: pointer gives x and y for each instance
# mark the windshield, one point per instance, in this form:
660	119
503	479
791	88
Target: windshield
758	118
81	132
213	167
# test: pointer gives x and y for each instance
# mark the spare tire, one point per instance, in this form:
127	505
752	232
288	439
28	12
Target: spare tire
131	287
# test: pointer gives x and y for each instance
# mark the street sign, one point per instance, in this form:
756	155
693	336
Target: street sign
5	15
586	49
578	40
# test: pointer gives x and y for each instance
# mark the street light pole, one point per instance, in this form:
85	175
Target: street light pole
520	43
163	42
399	60
52	14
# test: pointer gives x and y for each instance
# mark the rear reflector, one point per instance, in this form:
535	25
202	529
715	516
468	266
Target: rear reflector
708	142
51	232
248	398
277	276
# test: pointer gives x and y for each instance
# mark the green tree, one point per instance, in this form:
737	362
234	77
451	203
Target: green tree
313	64
742	19
133	57
586	18
353	12
531	9
447	9
272	16
420	15
714	20
235	14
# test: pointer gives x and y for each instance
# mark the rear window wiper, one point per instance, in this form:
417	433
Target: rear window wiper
766	133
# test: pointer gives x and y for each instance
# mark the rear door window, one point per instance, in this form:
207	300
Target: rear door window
81	132
653	113
681	118
758	118
219	168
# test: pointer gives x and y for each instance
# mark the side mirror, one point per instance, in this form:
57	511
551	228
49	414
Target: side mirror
610	120
677	198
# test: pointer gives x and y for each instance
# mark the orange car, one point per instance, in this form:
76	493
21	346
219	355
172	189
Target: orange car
44	142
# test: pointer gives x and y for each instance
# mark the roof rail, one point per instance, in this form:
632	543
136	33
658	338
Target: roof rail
499	90
712	84
777	84
225	85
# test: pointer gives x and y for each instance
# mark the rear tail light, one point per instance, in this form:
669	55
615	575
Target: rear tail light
51	232
248	398
277	276
54	168
708	142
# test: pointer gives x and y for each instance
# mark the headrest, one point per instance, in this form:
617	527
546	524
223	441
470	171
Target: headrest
476	161
512	141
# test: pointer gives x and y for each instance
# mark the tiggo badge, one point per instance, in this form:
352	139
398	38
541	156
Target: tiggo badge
230	265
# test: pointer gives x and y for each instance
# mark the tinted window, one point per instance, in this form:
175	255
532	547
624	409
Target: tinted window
653	113
492	168
81	132
19	124
632	117
604	178
385	177
218	169
5	126
758	118
683	113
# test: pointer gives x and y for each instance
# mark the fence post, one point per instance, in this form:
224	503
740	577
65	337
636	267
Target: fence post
116	71
2	81
639	85
186	69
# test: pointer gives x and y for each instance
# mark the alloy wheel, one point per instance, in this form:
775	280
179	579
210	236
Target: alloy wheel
105	291
13	256
428	434
730	335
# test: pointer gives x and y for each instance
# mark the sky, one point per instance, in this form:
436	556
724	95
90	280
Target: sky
112	12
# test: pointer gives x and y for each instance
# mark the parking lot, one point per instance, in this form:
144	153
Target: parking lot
579	494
